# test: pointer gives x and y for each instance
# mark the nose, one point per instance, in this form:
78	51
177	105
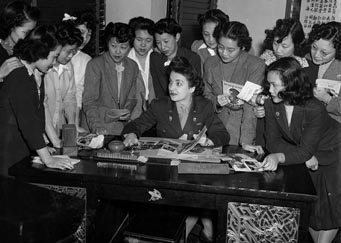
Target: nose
143	43
117	51
163	46
211	39
170	86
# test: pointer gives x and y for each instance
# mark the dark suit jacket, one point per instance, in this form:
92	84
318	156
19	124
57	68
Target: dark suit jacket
3	57
163	113
22	119
312	132
158	69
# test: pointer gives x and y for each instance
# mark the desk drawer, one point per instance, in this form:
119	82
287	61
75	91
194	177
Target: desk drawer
157	195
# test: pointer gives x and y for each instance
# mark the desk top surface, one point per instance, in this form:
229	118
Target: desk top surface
290	182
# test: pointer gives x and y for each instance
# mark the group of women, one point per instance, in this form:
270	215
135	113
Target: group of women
135	86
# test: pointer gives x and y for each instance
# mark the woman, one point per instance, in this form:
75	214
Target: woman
225	75
298	130
140	53
325	50
208	22
22	116
17	19
167	34
110	83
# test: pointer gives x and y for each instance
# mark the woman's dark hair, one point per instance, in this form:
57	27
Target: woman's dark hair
283	28
214	15
87	18
37	45
328	31
182	66
298	88
167	25
16	14
141	23
122	32
235	31
68	34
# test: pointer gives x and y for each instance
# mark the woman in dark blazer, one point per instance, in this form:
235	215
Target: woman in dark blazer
22	119
298	129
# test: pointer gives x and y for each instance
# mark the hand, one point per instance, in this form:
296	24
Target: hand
259	111
204	141
253	148
57	143
9	65
51	150
223	99
322	94
81	130
59	163
130	139
101	131
272	160
312	163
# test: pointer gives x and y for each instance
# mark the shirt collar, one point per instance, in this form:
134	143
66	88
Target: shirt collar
210	50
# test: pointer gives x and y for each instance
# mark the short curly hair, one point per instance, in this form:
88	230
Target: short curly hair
68	34
283	28
298	88
37	45
121	31
235	31
167	25
141	23
16	14
182	66
328	31
214	15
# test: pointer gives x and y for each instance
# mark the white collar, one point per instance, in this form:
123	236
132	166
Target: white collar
209	49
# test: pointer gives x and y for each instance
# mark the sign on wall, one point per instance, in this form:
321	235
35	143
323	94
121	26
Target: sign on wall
319	11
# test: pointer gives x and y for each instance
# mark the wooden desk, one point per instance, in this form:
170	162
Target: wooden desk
289	186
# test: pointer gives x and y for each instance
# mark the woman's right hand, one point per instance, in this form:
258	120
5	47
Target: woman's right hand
130	139
8	66
259	111
59	163
312	163
222	99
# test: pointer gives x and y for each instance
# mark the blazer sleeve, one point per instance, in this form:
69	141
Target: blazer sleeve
334	106
312	131
131	101
70	101
92	82
210	85
22	93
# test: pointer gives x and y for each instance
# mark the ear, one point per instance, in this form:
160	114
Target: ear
192	89
177	37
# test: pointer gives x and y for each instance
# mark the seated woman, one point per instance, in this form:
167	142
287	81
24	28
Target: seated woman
229	71
110	83
22	119
298	130
325	50
208	45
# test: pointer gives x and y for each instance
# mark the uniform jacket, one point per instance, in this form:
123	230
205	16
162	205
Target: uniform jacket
101	91
334	73
21	117
241	124
312	132
163	113
158	69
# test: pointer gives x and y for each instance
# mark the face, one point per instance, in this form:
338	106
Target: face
179	89
322	51
228	49
117	50
143	42
43	65
276	85
86	34
167	44
20	32
285	48
207	34
67	52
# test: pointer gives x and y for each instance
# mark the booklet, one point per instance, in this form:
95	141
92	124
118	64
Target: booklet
249	92
333	85
244	163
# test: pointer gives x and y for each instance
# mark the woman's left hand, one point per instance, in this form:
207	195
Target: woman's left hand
322	94
271	162
253	148
312	163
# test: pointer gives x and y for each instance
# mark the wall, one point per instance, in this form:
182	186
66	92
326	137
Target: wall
257	15
123	10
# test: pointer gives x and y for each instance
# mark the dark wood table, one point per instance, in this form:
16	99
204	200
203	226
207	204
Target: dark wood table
290	188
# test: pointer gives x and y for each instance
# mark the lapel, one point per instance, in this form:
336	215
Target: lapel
111	84
173	117
279	113
192	119
296	123
217	75
124	83
333	70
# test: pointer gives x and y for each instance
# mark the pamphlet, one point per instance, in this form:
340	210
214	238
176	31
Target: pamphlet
249	92
333	85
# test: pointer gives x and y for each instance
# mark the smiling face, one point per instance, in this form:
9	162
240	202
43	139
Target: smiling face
67	52
322	51
276	85
143	42
228	49
179	90
20	32
284	49
207	34
43	65
167	44
117	50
